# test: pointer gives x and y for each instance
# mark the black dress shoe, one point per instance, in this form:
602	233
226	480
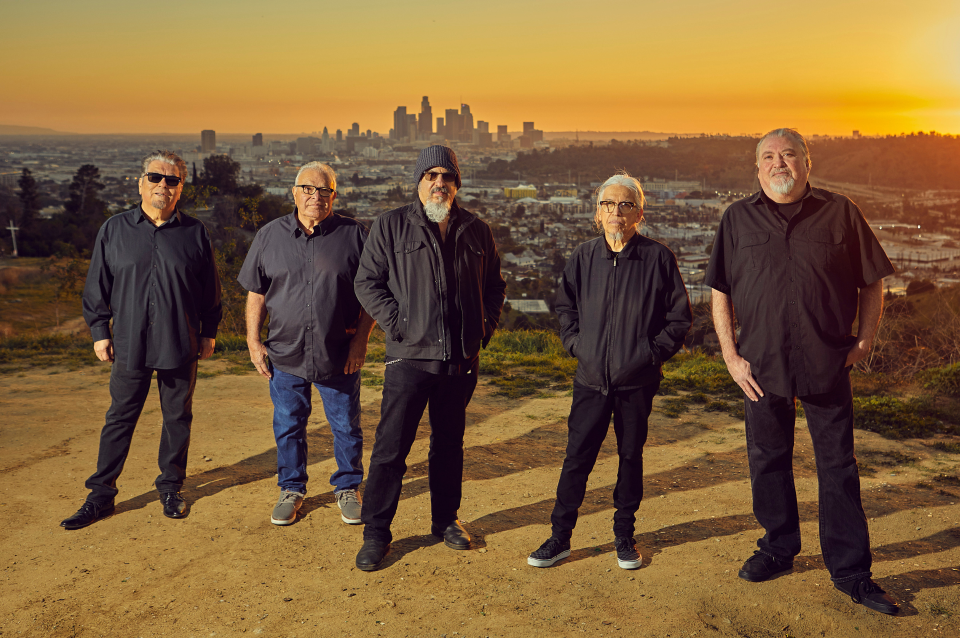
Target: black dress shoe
371	555
761	567
454	535
866	592
173	505
87	514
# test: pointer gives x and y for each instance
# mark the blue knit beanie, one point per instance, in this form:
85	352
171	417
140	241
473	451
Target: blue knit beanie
434	156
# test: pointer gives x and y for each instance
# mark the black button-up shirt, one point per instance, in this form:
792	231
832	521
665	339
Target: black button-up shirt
794	285
160	286
307	282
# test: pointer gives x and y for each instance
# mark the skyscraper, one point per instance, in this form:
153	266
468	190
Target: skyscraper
426	118
208	141
400	123
527	127
440	130
354	130
451	129
502	135
258	139
466	119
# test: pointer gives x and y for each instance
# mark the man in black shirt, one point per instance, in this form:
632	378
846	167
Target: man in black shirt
799	264
300	271
152	272
430	276
623	311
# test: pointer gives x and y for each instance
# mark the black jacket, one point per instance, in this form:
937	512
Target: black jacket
401	283
622	314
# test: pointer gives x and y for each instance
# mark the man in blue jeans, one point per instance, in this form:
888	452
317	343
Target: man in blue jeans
300	271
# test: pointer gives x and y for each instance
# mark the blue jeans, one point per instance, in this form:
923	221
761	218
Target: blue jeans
292	405
844	539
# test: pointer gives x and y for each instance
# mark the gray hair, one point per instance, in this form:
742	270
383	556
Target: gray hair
621	178
323	169
167	157
794	136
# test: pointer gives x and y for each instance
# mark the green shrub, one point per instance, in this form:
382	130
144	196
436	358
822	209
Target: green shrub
944	380
894	418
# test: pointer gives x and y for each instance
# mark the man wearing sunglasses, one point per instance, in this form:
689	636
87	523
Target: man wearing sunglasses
153	274
623	311
430	276
299	271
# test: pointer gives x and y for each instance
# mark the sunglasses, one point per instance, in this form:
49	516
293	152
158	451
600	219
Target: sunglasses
449	178
171	180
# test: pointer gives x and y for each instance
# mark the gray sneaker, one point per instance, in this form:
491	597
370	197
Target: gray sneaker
285	512
349	503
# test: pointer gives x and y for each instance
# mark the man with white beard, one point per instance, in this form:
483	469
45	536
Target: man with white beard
799	264
430	276
623	311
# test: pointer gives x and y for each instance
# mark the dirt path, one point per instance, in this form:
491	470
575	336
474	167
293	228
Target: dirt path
225	570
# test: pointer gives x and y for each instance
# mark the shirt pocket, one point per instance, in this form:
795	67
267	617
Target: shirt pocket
755	250
827	247
412	263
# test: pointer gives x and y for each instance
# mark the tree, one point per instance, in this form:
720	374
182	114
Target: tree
85	189
29	198
221	172
66	274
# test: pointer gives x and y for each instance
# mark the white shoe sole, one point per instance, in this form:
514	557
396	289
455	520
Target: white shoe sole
547	562
280	521
631	564
350	521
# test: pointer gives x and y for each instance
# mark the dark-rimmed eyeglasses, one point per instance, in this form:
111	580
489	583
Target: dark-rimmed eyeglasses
309	190
608	206
431	176
171	180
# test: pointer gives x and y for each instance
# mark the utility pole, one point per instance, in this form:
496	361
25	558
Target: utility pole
13	233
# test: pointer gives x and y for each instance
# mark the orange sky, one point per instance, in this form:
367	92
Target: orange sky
827	67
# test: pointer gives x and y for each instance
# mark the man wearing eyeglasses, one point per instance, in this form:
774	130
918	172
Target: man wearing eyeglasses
623	311
152	273
430	276
795	265
299	271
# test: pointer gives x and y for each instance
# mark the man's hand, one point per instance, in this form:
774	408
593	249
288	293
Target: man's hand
104	349
258	355
858	352
357	353
739	369
206	347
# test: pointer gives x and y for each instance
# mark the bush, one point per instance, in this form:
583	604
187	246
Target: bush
944	380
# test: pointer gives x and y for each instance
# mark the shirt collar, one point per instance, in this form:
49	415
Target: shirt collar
323	227
173	221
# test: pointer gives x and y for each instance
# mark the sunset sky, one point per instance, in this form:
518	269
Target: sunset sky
687	66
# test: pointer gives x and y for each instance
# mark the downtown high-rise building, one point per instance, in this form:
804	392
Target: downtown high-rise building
208	141
451	128
257	139
426	119
400	123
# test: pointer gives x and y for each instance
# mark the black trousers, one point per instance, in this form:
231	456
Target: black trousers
770	425
128	393
406	393
587	428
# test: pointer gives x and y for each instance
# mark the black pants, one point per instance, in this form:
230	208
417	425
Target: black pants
770	424
587	428
406	393
128	393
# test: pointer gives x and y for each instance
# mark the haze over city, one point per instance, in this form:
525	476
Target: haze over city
685	67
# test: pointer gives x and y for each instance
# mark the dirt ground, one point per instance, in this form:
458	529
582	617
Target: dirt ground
226	570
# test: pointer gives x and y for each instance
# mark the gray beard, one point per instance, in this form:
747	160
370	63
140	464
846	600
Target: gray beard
437	212
782	186
615	237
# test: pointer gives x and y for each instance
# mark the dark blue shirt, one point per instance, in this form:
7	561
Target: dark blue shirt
307	282
160	286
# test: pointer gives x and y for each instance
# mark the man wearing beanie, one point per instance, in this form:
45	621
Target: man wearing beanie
430	276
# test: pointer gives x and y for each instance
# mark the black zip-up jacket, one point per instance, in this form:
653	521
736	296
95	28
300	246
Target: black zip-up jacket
402	285
622	314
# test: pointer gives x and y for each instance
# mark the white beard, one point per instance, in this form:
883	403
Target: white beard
437	212
782	186
615	237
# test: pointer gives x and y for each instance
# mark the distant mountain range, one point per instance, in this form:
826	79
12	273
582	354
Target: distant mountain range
10	129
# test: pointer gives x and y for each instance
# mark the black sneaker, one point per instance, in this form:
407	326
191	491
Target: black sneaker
761	567
867	593
549	553
627	555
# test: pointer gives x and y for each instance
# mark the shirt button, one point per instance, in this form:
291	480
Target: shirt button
308	305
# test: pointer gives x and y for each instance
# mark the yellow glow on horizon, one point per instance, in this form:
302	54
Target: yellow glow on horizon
688	67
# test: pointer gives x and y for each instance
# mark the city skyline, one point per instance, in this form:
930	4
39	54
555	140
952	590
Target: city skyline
693	67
